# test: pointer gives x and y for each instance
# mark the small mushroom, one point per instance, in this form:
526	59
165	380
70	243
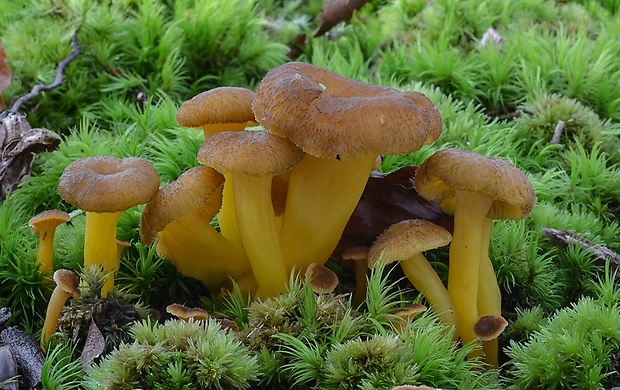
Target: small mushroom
342	125
253	158
185	313
322	279
104	187
121	245
489	327
218	109
405	242
359	256
44	224
474	188
67	285
405	315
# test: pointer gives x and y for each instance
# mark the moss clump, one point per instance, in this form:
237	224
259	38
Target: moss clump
176	355
572	350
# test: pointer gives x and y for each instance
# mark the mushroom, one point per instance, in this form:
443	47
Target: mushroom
252	158
405	242
185	313
489	327
67	284
405	315
44	224
359	256
220	109
179	217
104	187
474	188
342	125
121	245
322	279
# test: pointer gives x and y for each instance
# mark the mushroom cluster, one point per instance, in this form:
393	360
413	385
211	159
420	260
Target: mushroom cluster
282	193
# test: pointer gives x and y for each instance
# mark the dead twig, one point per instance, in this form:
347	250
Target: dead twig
564	238
557	133
75	52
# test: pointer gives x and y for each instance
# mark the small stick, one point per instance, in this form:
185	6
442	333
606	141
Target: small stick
557	133
75	52
563	238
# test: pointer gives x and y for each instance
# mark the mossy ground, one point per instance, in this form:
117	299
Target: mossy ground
557	61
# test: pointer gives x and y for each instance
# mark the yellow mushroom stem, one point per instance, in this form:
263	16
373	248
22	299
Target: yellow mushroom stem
66	286
197	250
45	252
489	294
100	248
227	216
361	281
52	315
322	195
257	225
465	253
425	279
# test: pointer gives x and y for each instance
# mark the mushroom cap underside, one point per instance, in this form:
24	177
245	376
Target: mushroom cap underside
197	188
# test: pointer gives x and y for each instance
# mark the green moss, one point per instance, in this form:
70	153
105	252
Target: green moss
573	349
176	355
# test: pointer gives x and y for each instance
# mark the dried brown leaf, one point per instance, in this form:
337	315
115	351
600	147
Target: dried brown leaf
19	144
93	347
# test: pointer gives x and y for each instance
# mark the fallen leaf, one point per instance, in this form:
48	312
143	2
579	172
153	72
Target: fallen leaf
336	11
19	144
93	347
388	198
5	72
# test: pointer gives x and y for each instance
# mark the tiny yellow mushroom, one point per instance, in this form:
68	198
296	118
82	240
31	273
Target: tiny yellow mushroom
405	242
44	224
67	285
104	187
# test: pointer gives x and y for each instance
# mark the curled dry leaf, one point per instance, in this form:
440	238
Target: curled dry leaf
19	143
388	198
336	11
94	346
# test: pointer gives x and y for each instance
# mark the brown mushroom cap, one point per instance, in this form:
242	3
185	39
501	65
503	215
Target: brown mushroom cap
489	327
404	239
192	189
449	170
106	184
185	313
331	116
409	312
254	153
48	218
222	105
355	253
67	280
322	279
